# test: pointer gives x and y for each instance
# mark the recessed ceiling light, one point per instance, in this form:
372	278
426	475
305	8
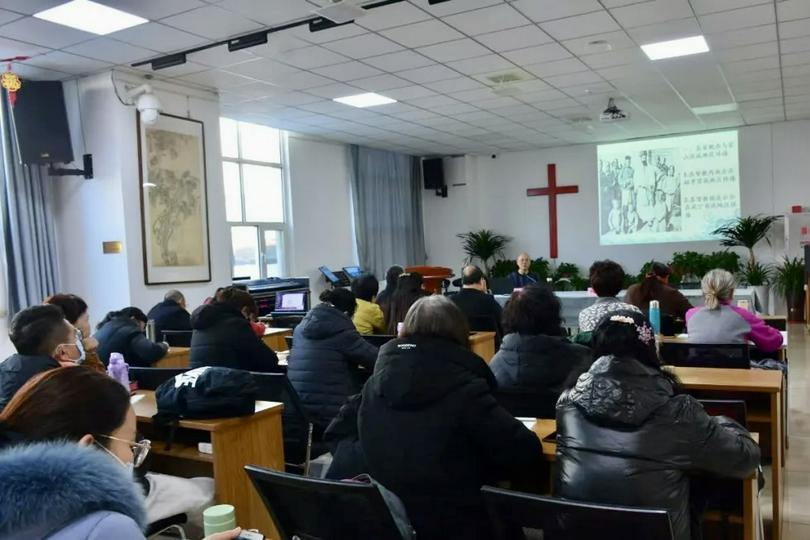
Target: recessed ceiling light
675	47
90	17
714	109
365	100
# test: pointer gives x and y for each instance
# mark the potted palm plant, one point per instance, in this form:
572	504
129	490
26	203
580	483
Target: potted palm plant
746	232
788	281
758	276
483	245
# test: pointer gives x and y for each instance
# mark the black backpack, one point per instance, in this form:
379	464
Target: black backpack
205	392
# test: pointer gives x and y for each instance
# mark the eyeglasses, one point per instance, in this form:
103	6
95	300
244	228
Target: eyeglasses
139	449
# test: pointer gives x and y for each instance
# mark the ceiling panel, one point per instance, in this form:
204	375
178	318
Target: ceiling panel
212	22
580	25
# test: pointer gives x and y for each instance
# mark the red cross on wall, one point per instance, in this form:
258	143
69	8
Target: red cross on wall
552	191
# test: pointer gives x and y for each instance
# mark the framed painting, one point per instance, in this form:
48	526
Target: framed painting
174	201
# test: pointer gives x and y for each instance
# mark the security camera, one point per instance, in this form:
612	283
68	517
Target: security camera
146	102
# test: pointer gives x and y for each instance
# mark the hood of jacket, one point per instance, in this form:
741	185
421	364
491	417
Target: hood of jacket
620	391
413	372
208	315
48	485
324	321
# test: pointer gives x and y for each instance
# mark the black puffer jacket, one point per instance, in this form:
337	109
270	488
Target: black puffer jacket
543	363
169	315
123	335
432	432
326	353
223	337
625	437
17	369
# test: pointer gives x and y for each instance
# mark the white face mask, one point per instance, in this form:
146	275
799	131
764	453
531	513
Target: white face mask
130	467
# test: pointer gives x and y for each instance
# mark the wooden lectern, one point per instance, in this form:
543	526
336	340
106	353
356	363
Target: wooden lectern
432	276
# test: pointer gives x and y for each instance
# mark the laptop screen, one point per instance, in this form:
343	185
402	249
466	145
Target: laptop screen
353	271
290	301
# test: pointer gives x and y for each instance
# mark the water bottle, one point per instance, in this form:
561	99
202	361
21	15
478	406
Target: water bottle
655	316
118	369
150	330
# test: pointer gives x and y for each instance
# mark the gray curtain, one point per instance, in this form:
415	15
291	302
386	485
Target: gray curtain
29	244
387	197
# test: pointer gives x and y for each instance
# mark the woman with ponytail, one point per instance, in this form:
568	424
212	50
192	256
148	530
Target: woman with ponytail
719	321
655	286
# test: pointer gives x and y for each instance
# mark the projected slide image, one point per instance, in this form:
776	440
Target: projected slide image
668	189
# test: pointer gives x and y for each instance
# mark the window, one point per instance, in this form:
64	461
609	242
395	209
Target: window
252	172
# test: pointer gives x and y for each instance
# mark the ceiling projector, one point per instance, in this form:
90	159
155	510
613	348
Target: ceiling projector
613	113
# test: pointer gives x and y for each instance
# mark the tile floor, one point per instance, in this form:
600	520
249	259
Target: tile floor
797	459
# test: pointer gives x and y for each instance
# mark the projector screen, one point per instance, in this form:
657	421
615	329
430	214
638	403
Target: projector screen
670	189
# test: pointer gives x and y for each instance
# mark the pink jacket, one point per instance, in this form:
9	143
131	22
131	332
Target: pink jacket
731	324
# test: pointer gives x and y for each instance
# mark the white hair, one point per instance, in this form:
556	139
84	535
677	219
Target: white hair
717	285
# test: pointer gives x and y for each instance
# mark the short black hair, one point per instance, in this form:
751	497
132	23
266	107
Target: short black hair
533	310
38	330
342	299
365	287
131	312
72	306
472	277
607	278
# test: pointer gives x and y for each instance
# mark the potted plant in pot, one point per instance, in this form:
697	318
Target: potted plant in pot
788	281
690	265
758	276
483	245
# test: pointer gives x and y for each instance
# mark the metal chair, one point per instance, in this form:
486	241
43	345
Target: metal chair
512	512
178	338
730	356
315	509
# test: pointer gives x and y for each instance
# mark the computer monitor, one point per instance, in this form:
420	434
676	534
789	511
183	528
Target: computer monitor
291	301
329	275
353	271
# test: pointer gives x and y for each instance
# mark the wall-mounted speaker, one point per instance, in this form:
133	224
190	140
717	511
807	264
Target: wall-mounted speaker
40	121
433	173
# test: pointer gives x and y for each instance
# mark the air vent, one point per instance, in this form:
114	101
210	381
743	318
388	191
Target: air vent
341	12
506	78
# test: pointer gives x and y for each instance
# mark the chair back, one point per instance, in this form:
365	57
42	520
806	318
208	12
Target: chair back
732	408
731	356
295	423
527	403
378	340
149	378
178	338
511	512
315	509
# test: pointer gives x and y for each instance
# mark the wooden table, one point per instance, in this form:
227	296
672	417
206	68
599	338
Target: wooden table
483	344
180	357
762	390
248	440
545	427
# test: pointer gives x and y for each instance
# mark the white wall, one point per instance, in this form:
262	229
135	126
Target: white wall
774	165
322	230
107	207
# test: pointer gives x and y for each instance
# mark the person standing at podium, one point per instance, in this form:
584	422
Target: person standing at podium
523	276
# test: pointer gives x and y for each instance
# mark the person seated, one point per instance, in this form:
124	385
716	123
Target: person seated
368	318
327	350
391	277
627	433
431	430
536	353
718	321
523	276
75	311
69	447
44	340
655	286
223	335
408	290
483	312
123	332
171	314
607	278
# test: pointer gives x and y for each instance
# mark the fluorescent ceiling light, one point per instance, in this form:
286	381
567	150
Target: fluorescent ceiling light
90	17
675	47
365	100
714	109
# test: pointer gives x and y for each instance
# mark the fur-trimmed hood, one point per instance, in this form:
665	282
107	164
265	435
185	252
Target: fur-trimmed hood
46	486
